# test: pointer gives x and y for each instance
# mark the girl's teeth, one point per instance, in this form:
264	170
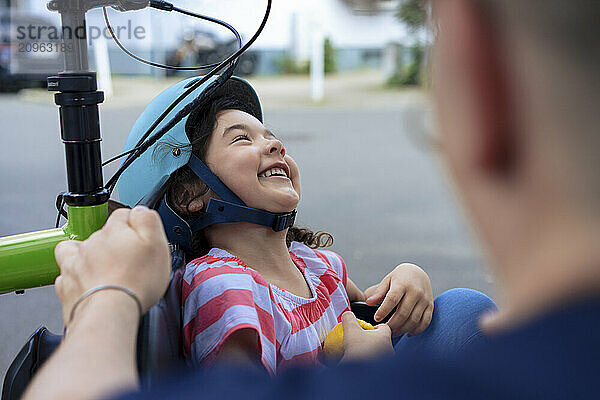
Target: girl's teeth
273	171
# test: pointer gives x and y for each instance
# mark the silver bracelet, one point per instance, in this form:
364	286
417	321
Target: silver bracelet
97	289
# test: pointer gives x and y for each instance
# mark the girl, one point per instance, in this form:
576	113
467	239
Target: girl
253	291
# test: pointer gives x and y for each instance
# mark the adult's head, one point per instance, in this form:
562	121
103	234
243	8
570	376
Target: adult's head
517	88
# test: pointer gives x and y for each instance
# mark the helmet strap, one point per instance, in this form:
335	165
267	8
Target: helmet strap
212	181
219	211
230	209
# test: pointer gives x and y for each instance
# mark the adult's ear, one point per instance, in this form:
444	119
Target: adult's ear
475	98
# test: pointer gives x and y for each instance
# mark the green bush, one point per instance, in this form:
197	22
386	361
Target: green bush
330	57
411	73
288	65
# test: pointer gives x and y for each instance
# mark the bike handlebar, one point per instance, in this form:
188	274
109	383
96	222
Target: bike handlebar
86	5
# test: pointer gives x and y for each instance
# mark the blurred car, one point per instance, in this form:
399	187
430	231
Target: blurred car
198	47
30	51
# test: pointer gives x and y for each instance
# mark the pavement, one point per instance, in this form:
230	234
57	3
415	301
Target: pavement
371	176
362	89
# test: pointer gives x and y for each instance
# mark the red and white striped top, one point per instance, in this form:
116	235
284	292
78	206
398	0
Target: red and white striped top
221	294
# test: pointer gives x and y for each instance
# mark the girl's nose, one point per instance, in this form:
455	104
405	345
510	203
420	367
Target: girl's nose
275	146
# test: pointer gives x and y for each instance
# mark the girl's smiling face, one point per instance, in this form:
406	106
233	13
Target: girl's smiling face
252	162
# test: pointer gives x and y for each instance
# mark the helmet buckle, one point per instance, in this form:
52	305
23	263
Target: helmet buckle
284	221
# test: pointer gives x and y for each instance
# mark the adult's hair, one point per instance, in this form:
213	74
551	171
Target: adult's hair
199	127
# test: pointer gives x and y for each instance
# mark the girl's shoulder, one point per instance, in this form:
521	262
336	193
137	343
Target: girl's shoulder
221	269
319	260
215	258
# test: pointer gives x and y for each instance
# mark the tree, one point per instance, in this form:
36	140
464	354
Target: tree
329	57
413	14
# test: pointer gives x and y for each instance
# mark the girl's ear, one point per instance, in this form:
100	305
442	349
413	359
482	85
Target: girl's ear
184	200
197	204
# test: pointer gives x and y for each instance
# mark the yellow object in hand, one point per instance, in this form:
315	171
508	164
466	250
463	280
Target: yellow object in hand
333	346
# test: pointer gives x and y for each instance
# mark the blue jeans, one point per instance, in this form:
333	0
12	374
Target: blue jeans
454	324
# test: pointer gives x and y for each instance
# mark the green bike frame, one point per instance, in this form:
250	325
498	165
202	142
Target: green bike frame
27	260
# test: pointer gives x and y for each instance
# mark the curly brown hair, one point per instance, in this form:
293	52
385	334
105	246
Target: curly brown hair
199	128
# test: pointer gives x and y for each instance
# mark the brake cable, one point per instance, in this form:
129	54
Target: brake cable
169	7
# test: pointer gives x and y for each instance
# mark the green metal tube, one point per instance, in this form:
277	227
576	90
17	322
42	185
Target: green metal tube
27	260
83	221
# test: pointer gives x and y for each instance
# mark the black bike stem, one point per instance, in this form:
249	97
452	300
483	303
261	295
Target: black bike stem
78	99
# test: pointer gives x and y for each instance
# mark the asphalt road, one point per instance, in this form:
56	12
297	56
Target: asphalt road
368	177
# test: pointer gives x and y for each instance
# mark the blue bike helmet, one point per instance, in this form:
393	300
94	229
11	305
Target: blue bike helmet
147	176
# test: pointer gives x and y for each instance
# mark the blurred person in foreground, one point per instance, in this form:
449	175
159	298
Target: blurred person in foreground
517	89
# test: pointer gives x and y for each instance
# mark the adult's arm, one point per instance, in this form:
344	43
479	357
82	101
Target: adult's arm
97	356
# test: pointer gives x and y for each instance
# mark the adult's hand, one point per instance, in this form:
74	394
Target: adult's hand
98	353
131	250
364	344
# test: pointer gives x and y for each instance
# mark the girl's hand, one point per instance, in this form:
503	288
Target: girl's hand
407	290
364	344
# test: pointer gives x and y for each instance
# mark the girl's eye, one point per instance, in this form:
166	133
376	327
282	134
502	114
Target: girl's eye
241	137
